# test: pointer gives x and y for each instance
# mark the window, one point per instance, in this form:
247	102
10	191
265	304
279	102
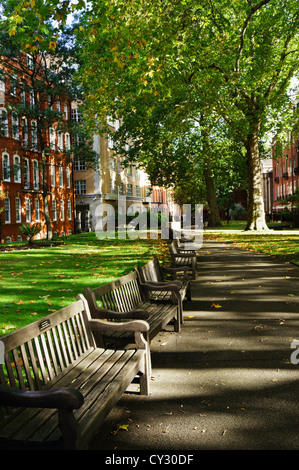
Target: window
76	115
61	176
60	141
2	91
129	190
17	168
110	142
68	177
26	173
66	111
28	209
129	171
34	135
24	132
23	94
69	209
54	209
35	175
138	191
62	209
13	85
67	141
119	167
80	186
15	127
52	171
6	167
112	187
120	188
31	98
7	210
18	210
37	210
29	61
111	164
4	122
58	105
52	138
137	173
79	164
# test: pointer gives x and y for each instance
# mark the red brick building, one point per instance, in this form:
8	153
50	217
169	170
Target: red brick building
32	175
285	175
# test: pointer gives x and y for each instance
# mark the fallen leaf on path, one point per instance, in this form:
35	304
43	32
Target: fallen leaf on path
216	305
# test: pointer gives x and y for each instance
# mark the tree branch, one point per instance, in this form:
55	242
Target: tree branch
245	25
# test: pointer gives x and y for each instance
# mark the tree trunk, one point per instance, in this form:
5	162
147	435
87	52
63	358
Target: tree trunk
214	216
256	212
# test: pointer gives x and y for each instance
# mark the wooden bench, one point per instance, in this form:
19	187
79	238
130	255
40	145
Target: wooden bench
124	299
57	387
152	280
183	258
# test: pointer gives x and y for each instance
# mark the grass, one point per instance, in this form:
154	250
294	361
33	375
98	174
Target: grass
282	245
36	282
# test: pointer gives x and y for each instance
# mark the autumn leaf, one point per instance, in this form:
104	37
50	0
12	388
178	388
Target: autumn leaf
20	302
216	305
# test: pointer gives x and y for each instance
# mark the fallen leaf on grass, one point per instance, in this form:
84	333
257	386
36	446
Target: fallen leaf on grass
20	302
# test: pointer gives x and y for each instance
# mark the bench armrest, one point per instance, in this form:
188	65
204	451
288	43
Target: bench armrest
138	327
132	314
61	398
134	325
173	286
185	255
175	269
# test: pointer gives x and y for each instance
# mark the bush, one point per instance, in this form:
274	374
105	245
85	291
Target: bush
30	230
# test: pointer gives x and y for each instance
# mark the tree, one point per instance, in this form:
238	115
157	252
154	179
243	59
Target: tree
239	56
49	77
236	57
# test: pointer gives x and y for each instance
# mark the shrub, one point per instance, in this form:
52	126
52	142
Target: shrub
30	230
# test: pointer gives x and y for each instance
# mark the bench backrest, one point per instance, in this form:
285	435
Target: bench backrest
151	271
121	295
40	351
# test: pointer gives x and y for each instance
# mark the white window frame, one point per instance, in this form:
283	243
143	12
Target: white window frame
17	169
52	138
7	214
62	211
60	176
18	210
35	172
69	209
54	209
15	127
28	209
4	123
6	166
68	177
37	209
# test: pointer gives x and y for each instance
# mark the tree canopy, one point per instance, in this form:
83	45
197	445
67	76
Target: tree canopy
159	65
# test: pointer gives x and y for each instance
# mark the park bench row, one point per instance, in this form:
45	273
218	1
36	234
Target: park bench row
62	375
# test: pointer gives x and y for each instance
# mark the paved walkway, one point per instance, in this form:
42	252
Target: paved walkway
226	382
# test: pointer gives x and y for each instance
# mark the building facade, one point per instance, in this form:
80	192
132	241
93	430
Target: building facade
35	179
285	175
108	183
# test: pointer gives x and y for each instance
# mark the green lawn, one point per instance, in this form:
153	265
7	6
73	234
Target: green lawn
274	243
36	282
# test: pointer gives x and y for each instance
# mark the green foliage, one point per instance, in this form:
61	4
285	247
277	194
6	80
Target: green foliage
31	230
